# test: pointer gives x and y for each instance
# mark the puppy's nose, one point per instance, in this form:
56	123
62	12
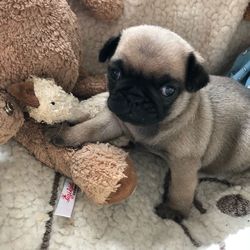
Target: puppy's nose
118	104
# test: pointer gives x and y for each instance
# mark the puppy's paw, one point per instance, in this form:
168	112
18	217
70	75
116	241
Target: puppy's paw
79	119
63	136
58	141
165	212
63	140
50	132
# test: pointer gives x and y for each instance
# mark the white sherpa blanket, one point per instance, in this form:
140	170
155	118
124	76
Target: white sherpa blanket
29	191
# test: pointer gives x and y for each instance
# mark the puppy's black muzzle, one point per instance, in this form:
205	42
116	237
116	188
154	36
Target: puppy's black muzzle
134	105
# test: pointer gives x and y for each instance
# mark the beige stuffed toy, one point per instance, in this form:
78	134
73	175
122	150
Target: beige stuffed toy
41	37
104	172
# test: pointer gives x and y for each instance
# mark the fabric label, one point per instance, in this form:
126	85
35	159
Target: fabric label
66	200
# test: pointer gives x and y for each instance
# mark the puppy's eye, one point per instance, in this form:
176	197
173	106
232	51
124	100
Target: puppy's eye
115	74
167	91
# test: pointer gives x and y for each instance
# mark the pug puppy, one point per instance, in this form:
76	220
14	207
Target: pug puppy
161	96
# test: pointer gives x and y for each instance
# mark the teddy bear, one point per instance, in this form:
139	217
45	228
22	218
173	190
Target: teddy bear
104	172
42	38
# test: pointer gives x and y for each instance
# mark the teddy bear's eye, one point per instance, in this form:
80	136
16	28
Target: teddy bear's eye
52	103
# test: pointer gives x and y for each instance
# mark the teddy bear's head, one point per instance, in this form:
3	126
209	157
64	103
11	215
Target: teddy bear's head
45	101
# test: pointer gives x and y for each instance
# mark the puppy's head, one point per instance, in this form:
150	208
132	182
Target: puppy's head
149	70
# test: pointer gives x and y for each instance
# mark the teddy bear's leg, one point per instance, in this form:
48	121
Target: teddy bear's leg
31	136
105	173
11	117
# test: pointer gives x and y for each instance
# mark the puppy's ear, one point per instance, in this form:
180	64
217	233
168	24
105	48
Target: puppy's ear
109	48
196	75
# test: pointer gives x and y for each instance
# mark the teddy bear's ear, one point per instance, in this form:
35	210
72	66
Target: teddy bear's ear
24	92
109	48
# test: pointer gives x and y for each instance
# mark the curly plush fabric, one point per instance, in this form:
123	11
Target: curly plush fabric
38	37
208	25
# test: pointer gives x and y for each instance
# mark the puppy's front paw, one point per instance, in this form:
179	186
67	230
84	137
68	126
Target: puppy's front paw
165	212
49	132
62	140
63	136
79	119
58	141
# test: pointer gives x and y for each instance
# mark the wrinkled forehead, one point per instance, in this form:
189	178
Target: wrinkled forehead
153	51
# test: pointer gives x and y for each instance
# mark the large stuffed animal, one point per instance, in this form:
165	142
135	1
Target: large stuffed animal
41	37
